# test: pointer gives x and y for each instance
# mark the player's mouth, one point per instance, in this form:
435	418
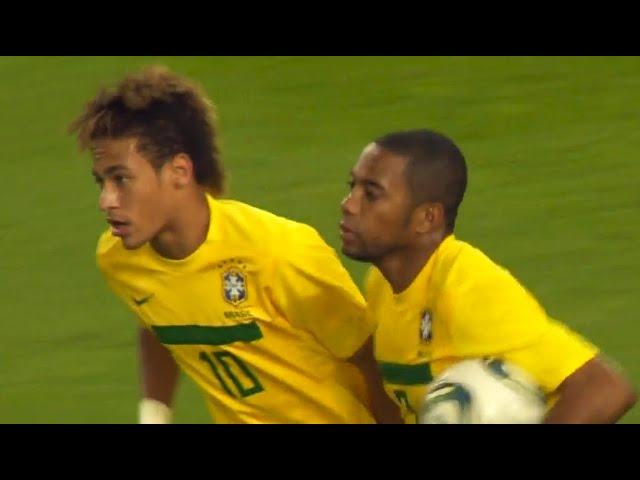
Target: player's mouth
119	228
347	233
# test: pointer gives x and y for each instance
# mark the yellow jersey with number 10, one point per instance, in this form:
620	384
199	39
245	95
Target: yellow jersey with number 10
262	316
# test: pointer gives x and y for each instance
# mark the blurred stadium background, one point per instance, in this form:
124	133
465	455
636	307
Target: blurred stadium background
552	146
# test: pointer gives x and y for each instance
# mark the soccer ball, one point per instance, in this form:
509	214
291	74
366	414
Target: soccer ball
483	391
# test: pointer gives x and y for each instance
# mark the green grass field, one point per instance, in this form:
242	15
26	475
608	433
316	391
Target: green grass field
552	146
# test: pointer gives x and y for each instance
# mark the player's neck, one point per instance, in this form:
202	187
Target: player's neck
403	266
187	231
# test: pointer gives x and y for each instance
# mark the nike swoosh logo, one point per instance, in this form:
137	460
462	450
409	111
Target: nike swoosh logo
143	300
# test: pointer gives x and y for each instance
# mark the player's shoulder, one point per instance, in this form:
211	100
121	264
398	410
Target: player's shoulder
464	274
478	282
236	209
237	212
468	264
269	227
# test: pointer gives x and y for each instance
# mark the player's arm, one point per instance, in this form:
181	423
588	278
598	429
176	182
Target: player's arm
383	408
158	376
583	386
158	369
594	393
510	323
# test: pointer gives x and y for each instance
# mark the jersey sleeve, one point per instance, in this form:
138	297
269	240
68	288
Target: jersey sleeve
314	291
554	356
494	315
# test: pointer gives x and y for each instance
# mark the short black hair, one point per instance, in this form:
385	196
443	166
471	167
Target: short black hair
436	168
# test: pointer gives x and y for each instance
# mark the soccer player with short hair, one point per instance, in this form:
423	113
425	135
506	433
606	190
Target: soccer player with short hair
437	300
255	308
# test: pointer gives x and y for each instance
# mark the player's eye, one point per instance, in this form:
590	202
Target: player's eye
351	184
370	195
121	179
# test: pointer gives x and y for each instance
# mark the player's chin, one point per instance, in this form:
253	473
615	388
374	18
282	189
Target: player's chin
132	241
354	252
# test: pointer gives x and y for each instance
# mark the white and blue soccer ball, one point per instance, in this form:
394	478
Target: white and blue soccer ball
483	391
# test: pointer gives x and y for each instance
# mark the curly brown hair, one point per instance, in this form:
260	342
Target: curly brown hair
166	113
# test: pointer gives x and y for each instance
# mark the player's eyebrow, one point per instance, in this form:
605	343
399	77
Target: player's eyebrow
367	182
112	169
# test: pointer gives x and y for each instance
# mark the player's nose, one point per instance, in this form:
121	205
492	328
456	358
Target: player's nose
108	199
349	205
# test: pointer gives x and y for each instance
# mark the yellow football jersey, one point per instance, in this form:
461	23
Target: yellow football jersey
463	305
262	316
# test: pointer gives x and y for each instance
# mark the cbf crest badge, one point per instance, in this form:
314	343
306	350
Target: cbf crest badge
426	331
234	286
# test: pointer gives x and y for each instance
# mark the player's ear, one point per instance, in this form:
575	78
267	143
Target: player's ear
428	217
182	171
